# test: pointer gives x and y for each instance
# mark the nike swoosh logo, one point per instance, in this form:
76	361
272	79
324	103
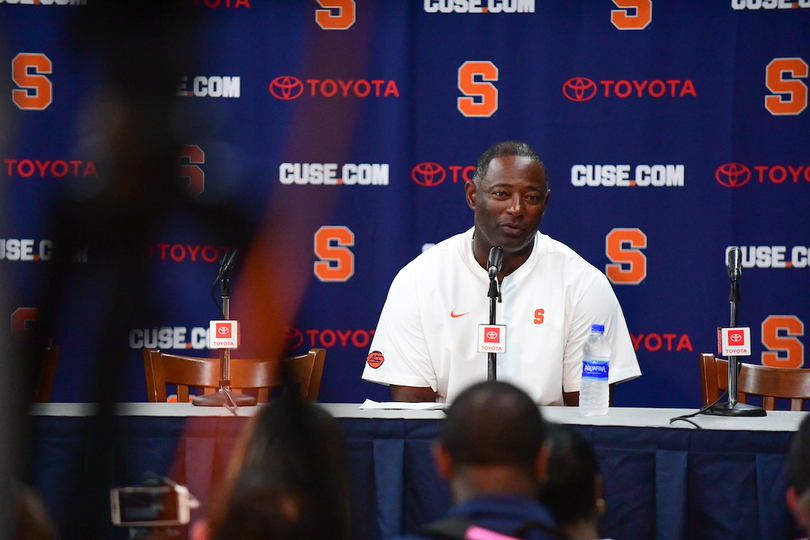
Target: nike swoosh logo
458	315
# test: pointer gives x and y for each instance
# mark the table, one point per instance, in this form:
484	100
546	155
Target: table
662	481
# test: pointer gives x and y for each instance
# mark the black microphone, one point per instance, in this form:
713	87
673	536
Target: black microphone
227	262
494	261
734	263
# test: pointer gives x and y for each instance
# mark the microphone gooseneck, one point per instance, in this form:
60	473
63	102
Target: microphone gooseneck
494	261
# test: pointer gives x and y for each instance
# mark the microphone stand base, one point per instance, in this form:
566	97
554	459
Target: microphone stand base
224	398
738	409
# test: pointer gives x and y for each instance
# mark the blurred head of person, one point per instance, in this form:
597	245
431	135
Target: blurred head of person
287	478
572	489
491	443
797	474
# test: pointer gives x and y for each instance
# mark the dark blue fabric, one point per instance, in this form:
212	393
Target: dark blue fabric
670	493
659	483
503	514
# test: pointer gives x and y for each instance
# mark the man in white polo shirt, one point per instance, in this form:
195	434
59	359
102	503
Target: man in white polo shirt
425	346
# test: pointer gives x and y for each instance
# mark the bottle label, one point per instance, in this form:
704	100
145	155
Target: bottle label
595	370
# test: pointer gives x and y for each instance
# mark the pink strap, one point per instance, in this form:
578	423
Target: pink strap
477	533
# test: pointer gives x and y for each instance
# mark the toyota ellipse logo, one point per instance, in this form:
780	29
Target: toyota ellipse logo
428	174
736	338
293	338
492	334
733	175
286	87
579	89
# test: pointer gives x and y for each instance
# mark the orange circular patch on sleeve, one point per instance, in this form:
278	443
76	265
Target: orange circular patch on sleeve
375	359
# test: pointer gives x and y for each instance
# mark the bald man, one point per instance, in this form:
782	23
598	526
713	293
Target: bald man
490	452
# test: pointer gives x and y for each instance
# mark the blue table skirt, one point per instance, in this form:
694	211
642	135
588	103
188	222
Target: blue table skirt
665	484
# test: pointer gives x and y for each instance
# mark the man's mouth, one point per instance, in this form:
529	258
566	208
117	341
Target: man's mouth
511	228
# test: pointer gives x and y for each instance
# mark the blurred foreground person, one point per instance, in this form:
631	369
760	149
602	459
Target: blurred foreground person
573	486
797	473
34	521
490	451
287	479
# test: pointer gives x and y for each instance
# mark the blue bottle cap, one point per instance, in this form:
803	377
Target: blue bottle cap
597	328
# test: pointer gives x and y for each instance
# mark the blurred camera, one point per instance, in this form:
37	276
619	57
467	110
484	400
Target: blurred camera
151	506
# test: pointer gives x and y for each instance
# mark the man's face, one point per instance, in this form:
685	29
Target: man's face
509	203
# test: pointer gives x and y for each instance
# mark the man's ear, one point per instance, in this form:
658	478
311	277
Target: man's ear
200	530
541	463
442	461
599	499
545	203
469	190
792	500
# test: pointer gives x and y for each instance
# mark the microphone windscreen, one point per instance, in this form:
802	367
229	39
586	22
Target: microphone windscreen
494	261
226	264
734	263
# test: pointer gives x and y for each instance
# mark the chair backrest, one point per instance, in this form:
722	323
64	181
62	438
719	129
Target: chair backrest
47	373
764	381
260	375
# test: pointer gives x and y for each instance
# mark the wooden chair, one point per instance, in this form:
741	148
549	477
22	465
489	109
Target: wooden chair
764	381
47	373
260	375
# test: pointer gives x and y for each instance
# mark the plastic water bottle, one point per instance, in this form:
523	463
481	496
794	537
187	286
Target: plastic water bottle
594	393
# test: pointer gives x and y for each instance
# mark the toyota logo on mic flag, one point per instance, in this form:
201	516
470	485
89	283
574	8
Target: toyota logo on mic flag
734	341
491	338
223	335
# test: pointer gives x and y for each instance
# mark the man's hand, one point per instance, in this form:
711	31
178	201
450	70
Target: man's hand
571	399
412	394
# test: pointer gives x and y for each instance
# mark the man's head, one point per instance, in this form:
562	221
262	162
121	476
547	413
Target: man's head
505	149
572	489
509	193
797	473
492	430
288	465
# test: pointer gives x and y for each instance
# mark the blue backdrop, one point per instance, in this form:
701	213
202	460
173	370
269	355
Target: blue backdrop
343	131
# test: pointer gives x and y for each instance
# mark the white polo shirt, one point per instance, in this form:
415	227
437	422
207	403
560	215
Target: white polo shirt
428	329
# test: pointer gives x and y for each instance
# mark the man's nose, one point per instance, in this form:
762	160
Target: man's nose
515	205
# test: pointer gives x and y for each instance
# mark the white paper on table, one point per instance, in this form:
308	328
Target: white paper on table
402	405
